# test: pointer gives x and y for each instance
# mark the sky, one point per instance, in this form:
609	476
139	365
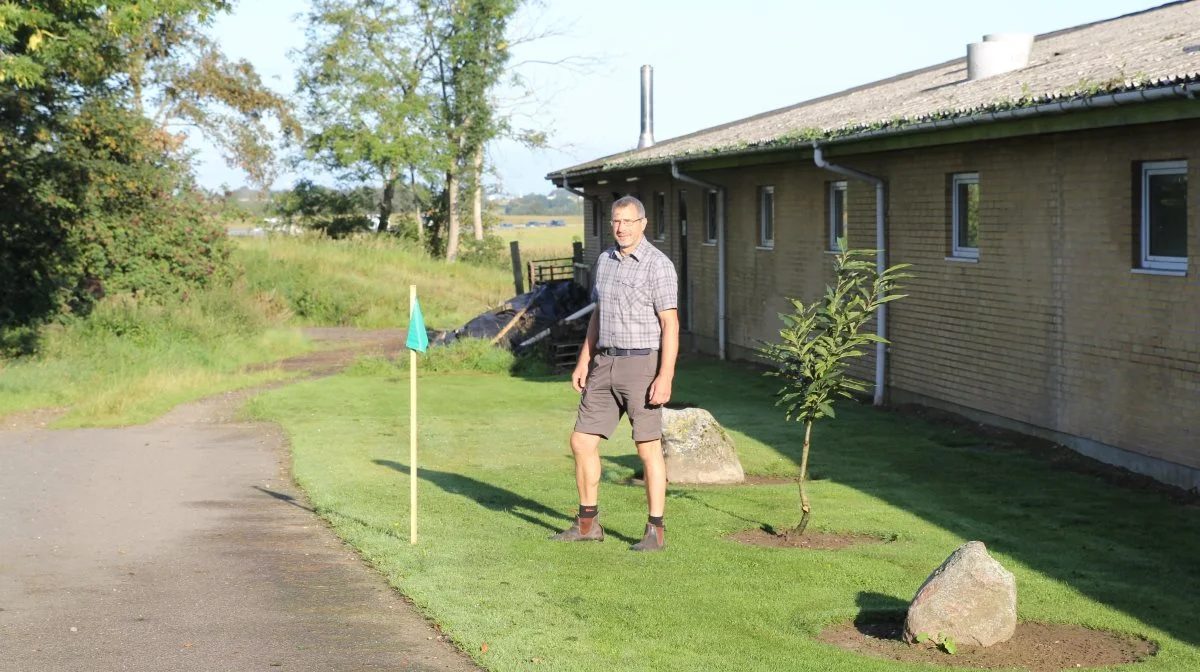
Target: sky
714	61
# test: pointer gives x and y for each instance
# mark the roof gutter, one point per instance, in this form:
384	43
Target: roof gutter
721	347
574	190
584	195
880	263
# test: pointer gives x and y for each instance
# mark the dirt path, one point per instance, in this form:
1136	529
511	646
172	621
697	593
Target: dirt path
184	545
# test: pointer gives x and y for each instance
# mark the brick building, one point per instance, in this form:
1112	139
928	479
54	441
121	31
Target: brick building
1040	192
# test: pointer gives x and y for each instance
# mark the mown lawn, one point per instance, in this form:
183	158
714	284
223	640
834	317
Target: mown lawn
496	479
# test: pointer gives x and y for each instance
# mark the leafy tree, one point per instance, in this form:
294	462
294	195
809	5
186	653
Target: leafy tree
182	80
335	213
397	89
362	77
97	197
563	203
820	339
109	210
470	56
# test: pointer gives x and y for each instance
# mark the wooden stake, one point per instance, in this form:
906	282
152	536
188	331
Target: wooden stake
412	427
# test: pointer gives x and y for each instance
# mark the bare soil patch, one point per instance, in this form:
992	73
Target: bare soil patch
38	418
817	541
770	480
347	345
1037	647
353	335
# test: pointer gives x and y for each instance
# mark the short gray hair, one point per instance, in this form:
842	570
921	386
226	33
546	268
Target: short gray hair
630	200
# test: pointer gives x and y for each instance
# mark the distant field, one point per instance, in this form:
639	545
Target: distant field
541	241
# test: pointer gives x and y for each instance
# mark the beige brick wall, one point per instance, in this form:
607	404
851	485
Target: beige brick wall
1050	327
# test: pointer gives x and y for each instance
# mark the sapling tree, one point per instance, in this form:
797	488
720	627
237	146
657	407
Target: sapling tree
819	341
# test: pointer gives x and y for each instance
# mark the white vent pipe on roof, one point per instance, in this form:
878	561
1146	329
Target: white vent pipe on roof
646	139
997	54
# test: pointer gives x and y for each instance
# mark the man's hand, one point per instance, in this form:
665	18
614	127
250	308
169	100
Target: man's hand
660	391
579	376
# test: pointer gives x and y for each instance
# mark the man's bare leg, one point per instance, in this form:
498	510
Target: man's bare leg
586	449
655	468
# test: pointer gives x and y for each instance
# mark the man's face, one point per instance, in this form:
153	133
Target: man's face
627	226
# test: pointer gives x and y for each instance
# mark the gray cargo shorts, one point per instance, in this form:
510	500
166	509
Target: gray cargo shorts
617	385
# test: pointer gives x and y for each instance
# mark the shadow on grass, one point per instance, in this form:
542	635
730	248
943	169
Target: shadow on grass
875	607
495	498
621	463
1130	548
691	497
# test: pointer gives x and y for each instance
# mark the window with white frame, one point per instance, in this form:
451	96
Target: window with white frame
965	215
710	219
766	216
1164	216
660	216
839	217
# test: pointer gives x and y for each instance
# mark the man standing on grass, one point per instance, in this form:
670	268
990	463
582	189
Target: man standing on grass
626	365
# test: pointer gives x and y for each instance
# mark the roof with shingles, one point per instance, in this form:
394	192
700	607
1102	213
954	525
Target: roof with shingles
1158	47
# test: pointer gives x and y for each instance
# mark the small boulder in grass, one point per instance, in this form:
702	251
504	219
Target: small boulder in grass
971	599
697	449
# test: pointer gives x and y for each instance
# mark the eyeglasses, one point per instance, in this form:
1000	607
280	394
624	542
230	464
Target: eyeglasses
626	222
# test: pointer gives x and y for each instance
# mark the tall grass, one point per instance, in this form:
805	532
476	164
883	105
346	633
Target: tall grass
363	282
132	360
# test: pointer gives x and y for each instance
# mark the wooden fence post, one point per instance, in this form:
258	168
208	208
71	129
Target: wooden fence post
514	249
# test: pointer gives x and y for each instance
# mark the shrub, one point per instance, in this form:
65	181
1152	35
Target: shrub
491	251
109	211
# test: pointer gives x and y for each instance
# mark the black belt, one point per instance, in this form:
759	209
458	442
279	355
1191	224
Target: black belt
622	352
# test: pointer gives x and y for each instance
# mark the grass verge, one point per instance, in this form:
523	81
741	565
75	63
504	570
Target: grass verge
130	361
496	479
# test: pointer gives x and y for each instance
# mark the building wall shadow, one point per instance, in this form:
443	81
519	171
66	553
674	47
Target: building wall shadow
1132	549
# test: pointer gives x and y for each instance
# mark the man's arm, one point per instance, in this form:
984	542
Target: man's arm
579	377
660	389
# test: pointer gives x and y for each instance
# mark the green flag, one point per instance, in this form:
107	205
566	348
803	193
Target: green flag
418	339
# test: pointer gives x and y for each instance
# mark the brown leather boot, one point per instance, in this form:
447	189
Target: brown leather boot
583	529
654	540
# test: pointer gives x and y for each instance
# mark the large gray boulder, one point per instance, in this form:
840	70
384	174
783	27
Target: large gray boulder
697	449
970	598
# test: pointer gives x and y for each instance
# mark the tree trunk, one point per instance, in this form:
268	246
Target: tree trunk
412	173
805	510
477	213
385	205
451	214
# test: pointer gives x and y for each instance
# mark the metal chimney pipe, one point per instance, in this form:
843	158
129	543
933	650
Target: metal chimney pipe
647	137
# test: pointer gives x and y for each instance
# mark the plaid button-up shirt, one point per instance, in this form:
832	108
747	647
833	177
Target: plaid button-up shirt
630	292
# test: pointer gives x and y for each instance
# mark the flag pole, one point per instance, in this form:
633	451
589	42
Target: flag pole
412	423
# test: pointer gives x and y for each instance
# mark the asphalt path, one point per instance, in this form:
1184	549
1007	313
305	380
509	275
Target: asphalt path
184	545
